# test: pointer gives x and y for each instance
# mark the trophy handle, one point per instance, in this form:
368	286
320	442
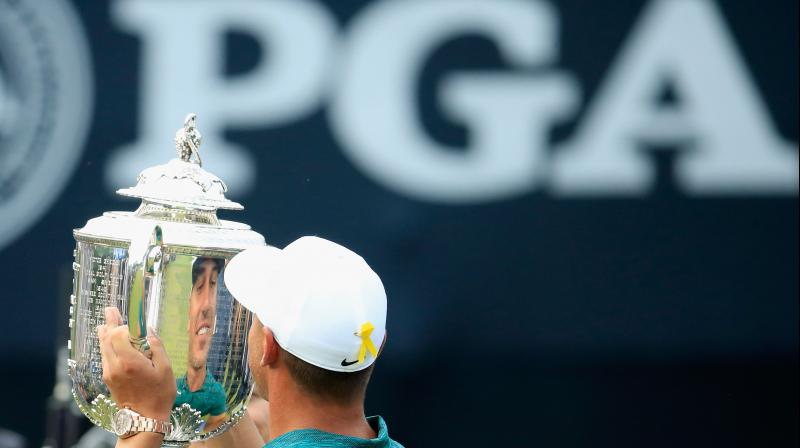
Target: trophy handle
144	269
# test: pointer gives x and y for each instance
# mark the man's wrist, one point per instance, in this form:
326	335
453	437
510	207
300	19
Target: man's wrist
163	415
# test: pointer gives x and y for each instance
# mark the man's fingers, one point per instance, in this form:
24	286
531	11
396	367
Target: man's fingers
154	341
101	331
113	317
122	345
107	355
159	357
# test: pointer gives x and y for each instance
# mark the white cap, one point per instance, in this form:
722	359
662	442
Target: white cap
322	301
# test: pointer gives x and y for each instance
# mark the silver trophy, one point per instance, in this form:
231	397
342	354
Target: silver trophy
163	266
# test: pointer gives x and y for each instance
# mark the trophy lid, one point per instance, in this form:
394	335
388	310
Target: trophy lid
182	183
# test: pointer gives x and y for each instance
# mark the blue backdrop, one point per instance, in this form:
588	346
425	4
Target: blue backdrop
641	293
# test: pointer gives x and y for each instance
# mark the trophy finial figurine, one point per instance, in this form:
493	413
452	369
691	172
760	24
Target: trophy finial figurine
188	139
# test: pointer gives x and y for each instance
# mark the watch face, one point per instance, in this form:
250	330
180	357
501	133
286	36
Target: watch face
122	422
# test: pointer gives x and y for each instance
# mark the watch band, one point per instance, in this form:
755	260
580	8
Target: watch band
146	424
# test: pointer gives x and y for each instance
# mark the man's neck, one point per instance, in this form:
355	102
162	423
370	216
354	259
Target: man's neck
298	410
195	378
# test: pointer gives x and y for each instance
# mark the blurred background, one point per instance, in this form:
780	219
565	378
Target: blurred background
585	213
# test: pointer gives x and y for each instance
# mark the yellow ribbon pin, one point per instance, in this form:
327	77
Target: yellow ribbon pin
366	342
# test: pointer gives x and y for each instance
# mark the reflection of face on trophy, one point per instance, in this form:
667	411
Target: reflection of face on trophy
202	311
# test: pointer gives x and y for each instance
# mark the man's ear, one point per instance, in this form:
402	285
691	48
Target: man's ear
269	352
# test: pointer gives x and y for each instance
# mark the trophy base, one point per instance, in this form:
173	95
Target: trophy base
187	422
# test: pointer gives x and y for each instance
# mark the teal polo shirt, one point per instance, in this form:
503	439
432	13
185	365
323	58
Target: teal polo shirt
210	399
313	438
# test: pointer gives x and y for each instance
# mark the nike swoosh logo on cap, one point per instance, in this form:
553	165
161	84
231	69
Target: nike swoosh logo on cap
346	363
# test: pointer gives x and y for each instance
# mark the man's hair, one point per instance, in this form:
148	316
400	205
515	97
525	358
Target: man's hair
341	387
197	266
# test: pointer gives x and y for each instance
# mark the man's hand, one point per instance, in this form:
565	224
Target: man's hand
146	385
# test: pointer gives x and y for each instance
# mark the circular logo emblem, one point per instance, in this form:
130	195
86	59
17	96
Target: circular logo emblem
45	107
